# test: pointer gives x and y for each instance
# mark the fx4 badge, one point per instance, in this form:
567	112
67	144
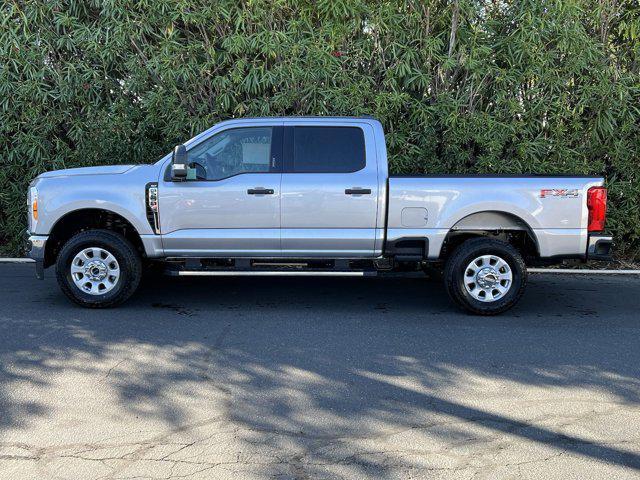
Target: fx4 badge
559	192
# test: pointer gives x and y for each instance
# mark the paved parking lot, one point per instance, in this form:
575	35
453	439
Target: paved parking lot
319	378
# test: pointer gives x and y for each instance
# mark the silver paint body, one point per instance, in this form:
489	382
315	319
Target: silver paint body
309	214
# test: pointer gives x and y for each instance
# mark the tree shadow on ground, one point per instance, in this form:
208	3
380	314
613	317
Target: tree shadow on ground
314	371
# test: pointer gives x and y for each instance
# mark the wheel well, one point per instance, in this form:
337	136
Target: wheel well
88	219
498	225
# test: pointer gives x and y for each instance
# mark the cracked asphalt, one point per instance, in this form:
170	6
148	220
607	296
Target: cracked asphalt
306	378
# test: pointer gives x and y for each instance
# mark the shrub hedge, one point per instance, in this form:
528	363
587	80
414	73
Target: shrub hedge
519	86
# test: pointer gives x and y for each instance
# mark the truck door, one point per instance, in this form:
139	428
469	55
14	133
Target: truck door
232	207
329	191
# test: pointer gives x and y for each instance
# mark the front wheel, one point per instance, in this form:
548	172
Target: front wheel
98	269
485	276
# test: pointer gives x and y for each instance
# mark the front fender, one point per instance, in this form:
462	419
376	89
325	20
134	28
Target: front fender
58	197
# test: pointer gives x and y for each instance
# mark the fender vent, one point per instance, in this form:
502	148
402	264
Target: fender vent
151	196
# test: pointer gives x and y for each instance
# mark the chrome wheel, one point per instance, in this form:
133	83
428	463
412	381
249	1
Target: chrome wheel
488	278
95	271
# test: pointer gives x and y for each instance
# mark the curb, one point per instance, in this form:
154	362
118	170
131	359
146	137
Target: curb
583	271
578	271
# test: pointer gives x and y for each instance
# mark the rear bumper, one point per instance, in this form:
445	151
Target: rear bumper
35	248
600	247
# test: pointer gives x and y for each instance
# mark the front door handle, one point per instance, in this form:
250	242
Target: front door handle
358	191
260	191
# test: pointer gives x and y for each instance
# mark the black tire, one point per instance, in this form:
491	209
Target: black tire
128	259
456	269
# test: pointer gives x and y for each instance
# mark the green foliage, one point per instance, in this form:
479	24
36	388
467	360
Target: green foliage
518	86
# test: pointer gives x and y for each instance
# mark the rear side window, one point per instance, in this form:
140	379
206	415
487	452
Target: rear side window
328	149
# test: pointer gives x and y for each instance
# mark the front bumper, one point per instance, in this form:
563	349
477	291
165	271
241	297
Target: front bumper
600	247
35	248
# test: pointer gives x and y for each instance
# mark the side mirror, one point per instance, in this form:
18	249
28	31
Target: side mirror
179	164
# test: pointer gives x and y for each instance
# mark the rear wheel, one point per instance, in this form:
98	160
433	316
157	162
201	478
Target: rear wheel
98	269
485	276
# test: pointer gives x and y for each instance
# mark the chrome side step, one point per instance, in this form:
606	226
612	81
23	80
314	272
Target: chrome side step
272	273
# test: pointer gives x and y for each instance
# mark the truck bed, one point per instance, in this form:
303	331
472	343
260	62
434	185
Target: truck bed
552	208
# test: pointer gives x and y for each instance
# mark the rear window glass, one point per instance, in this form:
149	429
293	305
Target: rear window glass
328	149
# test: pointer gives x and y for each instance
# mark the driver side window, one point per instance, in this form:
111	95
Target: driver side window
232	152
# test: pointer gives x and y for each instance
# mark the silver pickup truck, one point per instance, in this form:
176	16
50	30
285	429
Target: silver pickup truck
305	196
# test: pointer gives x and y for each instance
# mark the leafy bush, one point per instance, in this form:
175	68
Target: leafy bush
534	86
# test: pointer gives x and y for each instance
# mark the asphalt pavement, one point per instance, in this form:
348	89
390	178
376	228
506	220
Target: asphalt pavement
307	378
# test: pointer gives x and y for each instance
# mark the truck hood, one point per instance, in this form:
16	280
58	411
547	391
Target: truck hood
105	170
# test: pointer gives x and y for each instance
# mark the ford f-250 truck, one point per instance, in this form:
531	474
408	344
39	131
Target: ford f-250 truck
305	196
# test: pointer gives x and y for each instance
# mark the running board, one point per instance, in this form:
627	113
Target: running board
276	273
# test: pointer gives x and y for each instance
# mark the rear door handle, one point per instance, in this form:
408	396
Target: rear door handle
358	191
260	191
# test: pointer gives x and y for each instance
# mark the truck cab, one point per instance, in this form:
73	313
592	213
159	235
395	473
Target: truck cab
278	188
